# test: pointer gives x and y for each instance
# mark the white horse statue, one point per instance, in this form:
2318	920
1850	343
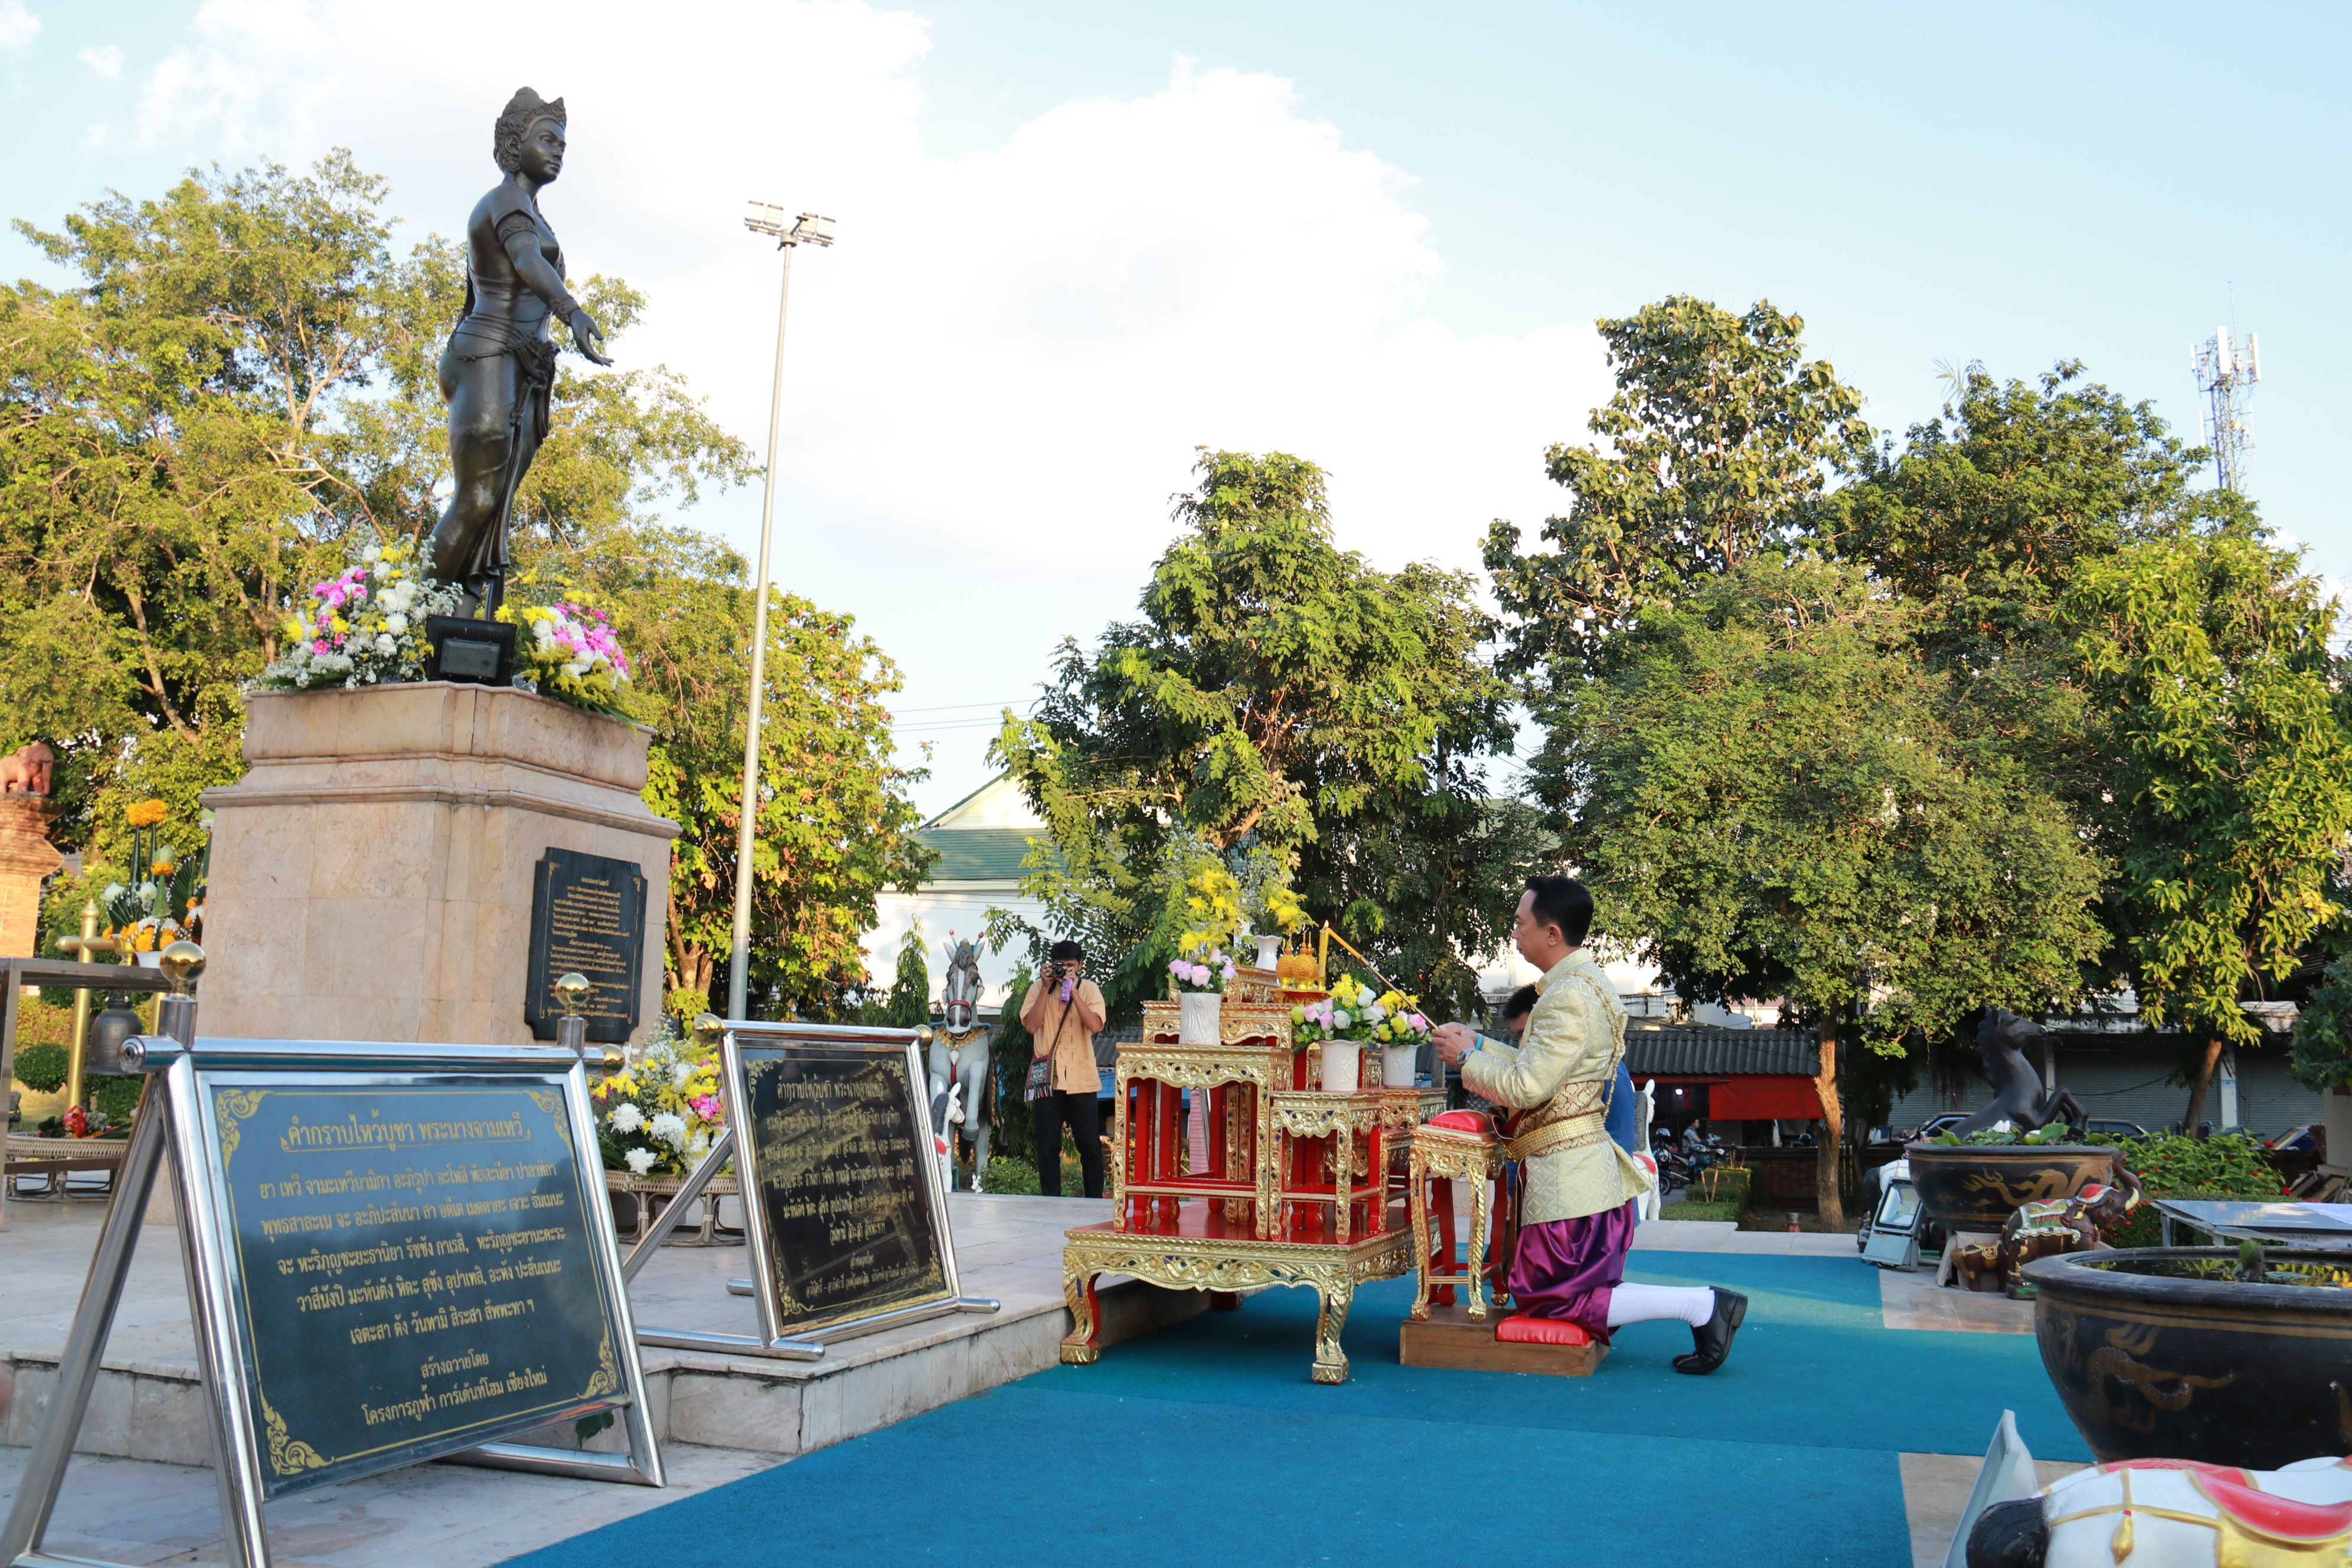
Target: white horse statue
959	1055
2152	1513
1645	1207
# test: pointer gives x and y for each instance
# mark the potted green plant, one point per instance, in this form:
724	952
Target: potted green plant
1975	1184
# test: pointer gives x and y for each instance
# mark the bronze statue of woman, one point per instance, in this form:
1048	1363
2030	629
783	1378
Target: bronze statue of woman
498	373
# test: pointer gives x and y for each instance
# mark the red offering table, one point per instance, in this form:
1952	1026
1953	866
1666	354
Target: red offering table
1297	1188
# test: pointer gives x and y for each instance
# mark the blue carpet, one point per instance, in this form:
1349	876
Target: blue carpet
1206	1442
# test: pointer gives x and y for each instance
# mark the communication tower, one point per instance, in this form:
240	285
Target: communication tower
2227	370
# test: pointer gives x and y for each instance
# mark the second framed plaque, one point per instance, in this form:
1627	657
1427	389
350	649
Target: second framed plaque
845	1206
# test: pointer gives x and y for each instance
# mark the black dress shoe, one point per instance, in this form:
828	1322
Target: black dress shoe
1714	1339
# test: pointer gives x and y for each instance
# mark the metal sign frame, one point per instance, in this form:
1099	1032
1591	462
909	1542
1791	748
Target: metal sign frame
1895	1228
806	1344
174	1124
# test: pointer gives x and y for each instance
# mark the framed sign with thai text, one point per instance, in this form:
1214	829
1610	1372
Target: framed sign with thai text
395	1253
413	1267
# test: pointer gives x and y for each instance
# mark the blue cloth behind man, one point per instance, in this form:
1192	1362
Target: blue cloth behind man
1624	1117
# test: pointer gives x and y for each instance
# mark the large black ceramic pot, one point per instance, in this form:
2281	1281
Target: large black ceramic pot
1977	1186
2153	1360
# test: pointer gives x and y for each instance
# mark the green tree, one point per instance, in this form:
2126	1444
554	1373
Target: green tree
2209	656
907	1003
1284	703
1720	431
1774	795
835	825
1982	520
2010	491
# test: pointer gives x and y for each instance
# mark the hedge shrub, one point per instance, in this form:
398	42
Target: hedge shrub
2227	1166
42	1068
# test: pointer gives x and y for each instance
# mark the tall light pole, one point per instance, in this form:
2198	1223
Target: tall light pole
808	229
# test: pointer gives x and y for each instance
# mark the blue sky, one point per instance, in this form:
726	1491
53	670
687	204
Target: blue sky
1078	239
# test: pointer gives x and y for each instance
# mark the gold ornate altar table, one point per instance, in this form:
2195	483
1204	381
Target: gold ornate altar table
1298	1187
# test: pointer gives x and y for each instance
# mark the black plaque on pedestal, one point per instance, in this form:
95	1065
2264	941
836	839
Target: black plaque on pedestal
588	916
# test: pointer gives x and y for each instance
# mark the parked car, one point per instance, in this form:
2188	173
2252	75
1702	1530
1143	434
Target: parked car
1895	1137
2307	1136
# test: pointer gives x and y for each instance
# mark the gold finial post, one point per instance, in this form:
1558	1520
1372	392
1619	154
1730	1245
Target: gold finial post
84	949
572	992
182	963
708	1029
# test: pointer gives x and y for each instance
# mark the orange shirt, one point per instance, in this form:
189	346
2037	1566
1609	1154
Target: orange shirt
1067	1029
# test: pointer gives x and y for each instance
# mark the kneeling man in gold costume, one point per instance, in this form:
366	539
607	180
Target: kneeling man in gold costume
1578	1188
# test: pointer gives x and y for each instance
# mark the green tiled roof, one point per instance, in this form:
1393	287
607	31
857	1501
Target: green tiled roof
976	854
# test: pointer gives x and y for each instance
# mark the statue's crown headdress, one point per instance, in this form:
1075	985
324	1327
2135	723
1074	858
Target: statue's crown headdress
521	109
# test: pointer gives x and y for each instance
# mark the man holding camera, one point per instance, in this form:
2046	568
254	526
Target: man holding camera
1062	1012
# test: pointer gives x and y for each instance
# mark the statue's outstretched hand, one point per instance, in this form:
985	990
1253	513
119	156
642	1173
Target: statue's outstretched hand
586	335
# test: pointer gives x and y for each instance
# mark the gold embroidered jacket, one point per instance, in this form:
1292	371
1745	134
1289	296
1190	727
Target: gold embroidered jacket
1558	1078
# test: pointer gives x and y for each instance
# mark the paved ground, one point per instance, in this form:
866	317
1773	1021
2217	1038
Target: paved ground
456	1517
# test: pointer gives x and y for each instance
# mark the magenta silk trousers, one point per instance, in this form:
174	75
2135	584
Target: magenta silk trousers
1565	1268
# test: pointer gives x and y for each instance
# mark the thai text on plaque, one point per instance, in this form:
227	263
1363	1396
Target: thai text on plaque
841	1184
413	1268
587	917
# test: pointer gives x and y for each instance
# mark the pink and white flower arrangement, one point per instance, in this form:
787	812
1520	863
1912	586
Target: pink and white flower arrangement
1205	969
660	1114
571	654
363	627
1354	1011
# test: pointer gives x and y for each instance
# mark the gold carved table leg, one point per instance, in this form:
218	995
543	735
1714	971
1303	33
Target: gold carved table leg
1336	1294
1082	1345
1417	1199
1478	1187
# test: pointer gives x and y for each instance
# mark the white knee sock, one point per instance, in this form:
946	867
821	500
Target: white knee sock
1642	1303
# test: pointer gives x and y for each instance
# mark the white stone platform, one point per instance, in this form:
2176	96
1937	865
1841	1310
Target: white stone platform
150	1406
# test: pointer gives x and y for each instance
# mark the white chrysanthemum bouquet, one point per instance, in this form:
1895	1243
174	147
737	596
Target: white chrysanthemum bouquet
660	1114
364	627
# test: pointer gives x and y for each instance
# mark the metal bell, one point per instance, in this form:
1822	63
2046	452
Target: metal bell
107	1033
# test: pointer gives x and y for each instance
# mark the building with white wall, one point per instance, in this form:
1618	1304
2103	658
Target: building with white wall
981	840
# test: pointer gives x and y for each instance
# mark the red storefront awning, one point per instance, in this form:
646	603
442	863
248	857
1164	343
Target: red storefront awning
1764	1097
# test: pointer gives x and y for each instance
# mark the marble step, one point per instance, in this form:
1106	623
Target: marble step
156	1409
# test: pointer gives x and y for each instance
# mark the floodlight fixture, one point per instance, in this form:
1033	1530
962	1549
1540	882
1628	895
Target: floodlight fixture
806	228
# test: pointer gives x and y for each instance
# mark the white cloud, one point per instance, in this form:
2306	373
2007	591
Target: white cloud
105	59
18	26
998	376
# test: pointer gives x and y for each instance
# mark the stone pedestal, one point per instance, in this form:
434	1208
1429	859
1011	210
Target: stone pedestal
25	860
371	874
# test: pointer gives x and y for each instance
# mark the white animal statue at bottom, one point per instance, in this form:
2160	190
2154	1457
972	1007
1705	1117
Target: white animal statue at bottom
2154	1513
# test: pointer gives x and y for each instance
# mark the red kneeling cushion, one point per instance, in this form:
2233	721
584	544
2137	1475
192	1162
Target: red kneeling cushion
1461	1122
1540	1331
